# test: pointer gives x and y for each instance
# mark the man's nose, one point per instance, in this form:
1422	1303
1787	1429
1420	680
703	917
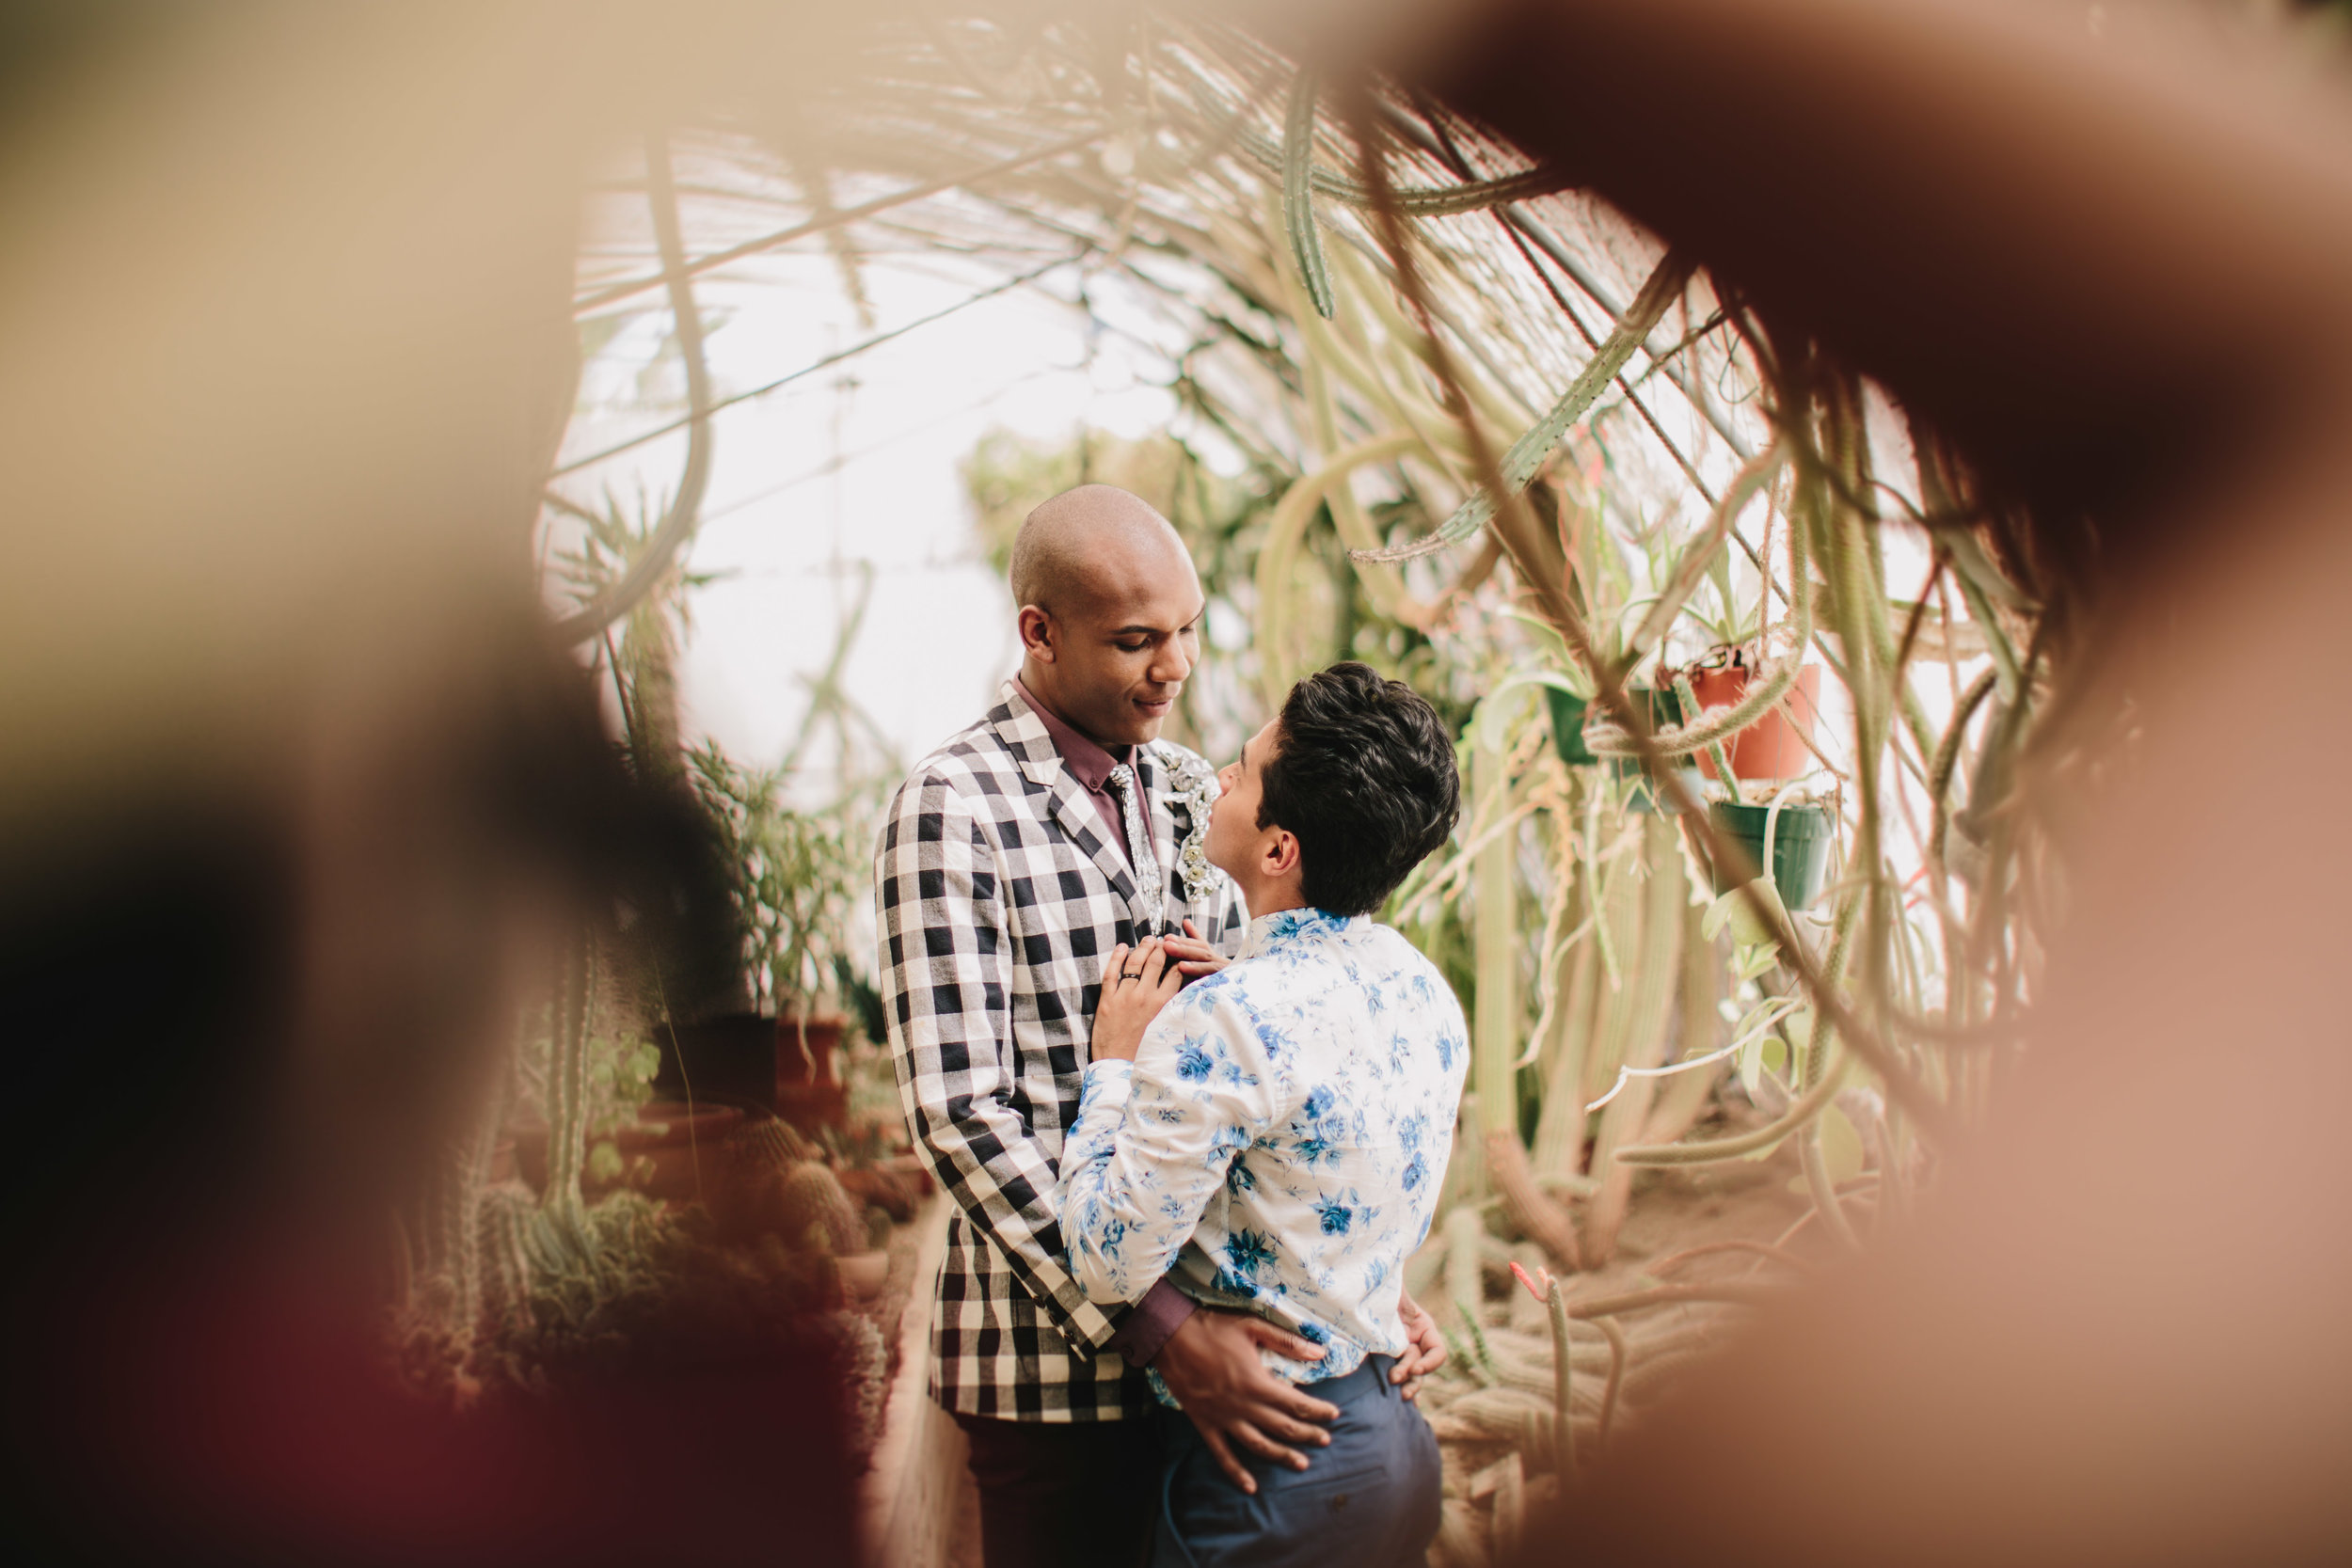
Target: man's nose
1172	666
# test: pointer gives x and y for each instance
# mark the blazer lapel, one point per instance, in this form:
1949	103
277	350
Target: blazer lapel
1064	800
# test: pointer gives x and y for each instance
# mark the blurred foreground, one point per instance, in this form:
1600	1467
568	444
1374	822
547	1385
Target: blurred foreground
301	805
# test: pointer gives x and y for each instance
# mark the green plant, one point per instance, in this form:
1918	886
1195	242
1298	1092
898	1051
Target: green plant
796	875
1497	442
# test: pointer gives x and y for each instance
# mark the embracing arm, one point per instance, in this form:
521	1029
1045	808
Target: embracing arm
1153	1140
946	973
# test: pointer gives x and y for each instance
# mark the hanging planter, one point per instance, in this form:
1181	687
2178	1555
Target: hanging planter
1799	848
1647	797
1568	726
1772	747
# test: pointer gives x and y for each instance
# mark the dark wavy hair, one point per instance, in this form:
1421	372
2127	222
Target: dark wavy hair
1363	777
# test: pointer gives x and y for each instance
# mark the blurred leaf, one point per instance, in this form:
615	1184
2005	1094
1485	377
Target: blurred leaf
1738	911
1548	638
604	1161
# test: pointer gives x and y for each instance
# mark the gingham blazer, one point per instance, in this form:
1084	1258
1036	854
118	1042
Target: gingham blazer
999	897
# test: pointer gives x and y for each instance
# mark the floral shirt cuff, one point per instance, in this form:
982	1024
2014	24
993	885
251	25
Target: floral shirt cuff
1106	1084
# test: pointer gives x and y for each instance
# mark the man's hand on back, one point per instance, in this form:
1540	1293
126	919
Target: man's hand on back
1211	1364
1426	1352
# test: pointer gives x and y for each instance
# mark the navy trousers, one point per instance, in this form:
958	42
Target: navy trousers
1370	1500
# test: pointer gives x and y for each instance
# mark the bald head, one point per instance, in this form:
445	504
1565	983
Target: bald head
1090	545
1110	612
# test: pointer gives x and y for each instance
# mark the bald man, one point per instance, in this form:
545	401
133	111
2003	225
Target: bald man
1018	855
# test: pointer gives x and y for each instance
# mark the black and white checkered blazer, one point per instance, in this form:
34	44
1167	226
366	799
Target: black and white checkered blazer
999	897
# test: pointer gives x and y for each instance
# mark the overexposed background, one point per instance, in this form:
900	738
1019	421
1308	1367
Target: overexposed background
852	468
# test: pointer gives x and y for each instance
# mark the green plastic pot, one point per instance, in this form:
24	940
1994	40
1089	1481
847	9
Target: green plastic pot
1799	847
1568	711
1568	726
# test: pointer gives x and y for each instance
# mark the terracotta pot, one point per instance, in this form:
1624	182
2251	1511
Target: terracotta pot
1770	747
809	1092
688	1149
727	1060
681	1147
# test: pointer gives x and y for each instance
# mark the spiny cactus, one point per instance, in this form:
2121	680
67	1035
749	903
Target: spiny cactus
768	1143
505	1264
816	1212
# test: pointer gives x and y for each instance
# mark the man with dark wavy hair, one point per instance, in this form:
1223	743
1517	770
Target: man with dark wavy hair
1272	1141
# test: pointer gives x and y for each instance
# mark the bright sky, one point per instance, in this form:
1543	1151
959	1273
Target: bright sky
856	464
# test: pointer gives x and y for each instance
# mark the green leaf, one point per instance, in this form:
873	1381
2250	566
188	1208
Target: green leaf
1549	639
1776	1053
1735	911
1718	914
1751	1064
1505	707
604	1161
1749	962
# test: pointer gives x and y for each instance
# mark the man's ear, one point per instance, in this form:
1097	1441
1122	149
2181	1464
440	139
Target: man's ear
1280	856
1036	634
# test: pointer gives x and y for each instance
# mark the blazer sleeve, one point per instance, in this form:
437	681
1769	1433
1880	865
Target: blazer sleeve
947	972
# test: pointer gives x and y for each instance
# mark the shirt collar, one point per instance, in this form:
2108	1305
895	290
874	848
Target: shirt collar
1087	762
1267	929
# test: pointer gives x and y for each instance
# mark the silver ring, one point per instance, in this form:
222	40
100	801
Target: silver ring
1131	975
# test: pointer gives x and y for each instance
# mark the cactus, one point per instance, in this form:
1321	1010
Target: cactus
817	1213
1633	1031
505	1263
568	1093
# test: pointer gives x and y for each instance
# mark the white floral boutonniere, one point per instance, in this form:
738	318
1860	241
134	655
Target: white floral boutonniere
1193	783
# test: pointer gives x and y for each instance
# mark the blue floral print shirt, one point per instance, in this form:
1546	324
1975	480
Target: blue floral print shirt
1278	1140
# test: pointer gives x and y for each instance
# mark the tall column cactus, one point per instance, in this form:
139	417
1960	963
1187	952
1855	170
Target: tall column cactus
568	1093
1495	1030
1633	1030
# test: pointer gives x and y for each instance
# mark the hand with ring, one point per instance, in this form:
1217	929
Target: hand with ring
1136	983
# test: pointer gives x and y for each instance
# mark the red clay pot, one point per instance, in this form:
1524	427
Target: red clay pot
1771	747
688	1149
729	1059
809	1090
682	1146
